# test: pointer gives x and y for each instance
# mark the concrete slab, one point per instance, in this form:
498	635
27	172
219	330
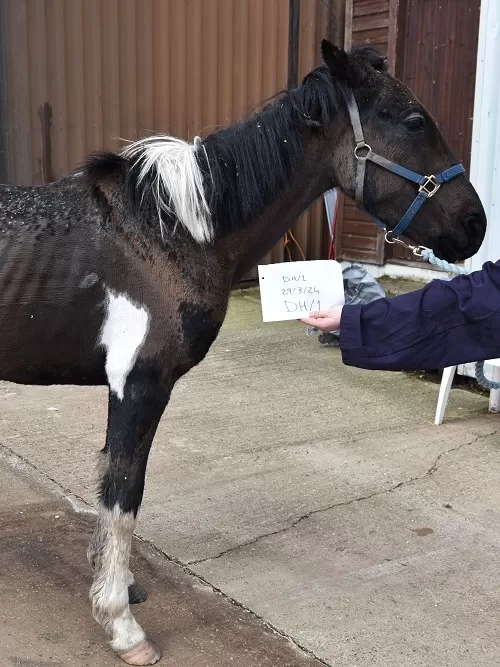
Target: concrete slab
407	577
296	486
45	618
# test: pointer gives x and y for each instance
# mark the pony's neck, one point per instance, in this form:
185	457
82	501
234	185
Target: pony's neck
245	246
264	172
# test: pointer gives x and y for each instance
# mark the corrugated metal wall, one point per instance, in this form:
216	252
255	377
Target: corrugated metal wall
79	74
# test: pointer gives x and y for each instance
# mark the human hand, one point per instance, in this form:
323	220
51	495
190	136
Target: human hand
325	320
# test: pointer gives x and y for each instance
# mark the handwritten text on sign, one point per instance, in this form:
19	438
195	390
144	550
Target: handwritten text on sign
292	290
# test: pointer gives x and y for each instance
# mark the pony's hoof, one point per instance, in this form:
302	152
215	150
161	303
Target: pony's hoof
136	593
144	653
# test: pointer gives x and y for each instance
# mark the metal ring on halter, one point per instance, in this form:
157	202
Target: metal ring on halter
361	146
390	239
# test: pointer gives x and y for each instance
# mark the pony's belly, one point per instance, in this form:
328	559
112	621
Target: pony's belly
50	344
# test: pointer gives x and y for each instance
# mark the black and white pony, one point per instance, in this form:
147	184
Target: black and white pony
120	274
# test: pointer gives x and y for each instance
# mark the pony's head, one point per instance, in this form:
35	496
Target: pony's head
381	118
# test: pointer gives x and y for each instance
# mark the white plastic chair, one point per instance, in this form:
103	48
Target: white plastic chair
447	380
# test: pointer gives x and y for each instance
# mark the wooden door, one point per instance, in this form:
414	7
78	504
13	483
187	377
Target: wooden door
436	58
431	46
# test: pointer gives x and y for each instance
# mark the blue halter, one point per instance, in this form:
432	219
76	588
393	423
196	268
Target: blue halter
428	185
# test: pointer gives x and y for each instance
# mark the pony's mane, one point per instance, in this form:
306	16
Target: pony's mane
216	185
250	162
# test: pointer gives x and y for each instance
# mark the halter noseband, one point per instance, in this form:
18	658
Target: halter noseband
428	185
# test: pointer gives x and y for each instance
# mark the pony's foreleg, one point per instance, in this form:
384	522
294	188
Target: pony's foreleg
132	422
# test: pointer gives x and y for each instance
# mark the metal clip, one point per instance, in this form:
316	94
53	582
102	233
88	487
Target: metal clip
417	250
389	238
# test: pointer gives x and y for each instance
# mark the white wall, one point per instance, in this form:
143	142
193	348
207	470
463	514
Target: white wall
485	159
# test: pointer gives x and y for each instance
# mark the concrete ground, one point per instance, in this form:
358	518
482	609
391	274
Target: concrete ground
285	493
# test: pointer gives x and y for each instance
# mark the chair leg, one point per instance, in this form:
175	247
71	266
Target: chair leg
444	392
495	393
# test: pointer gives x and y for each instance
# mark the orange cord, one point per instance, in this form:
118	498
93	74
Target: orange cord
286	244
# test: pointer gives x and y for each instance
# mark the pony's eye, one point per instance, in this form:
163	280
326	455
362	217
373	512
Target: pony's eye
415	122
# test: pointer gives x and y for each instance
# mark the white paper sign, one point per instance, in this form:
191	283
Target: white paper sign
292	290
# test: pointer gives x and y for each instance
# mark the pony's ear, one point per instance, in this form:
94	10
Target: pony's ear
372	56
339	63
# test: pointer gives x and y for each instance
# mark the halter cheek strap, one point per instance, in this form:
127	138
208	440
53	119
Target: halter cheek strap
428	185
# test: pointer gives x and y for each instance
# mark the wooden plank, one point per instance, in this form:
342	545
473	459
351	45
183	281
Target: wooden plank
393	33
367	22
380	21
349	10
371	37
369	7
357	255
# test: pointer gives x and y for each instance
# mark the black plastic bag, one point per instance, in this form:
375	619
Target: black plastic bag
359	287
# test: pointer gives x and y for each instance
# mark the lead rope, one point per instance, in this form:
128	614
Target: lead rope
428	256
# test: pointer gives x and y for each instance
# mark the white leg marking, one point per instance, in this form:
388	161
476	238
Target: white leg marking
109	552
123	334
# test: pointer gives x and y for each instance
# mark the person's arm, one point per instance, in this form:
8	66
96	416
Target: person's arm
445	324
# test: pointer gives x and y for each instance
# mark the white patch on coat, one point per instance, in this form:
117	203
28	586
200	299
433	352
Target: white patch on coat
109	554
178	181
123	333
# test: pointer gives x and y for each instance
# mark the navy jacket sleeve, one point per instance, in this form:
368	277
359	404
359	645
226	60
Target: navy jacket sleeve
445	324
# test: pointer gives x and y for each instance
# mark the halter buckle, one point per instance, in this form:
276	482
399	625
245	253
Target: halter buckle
430	186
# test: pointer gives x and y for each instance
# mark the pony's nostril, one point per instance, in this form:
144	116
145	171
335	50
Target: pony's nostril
475	226
477	222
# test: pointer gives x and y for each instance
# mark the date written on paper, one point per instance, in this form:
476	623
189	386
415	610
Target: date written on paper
294	289
305	305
